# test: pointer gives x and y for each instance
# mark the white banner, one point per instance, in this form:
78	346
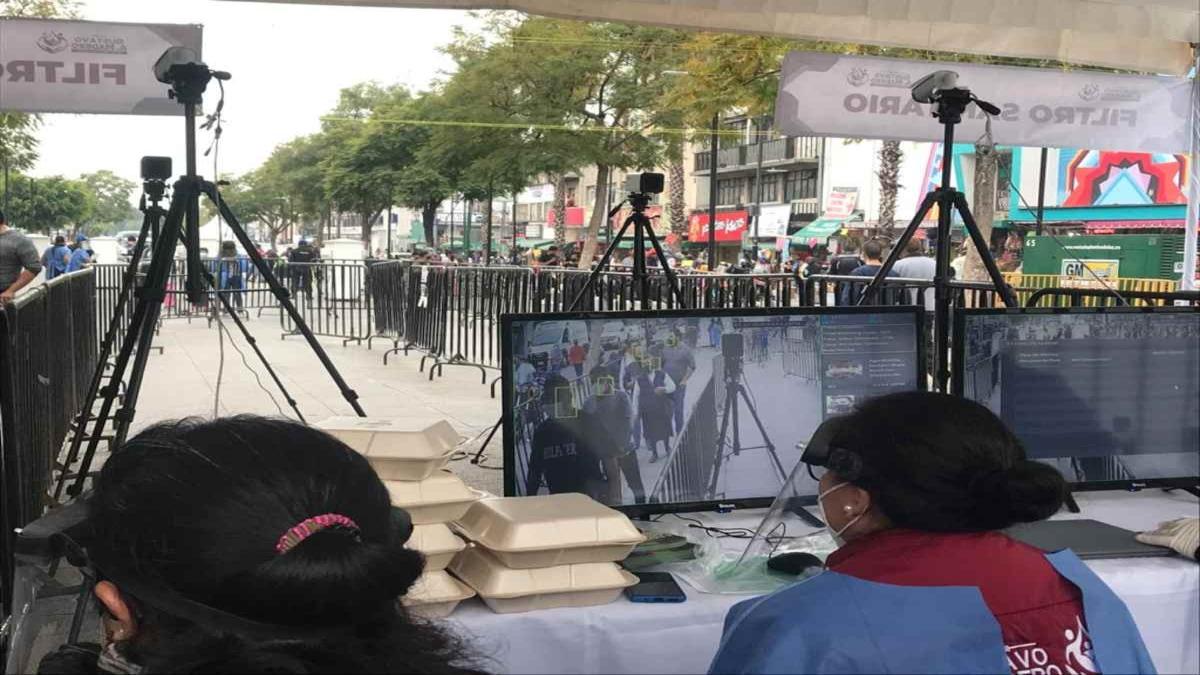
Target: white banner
87	67
851	96
773	220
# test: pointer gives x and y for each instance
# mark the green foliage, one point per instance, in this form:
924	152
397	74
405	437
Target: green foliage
111	195
49	204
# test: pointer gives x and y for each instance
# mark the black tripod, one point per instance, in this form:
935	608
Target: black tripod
188	82
735	395
950	104
642	230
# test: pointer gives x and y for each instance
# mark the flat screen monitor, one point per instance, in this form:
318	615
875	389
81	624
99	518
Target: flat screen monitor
1110	397
687	410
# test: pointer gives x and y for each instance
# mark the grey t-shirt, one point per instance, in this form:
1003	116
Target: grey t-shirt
677	361
16	253
917	267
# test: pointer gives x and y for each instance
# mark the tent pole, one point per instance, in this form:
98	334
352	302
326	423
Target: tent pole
1188	280
1041	203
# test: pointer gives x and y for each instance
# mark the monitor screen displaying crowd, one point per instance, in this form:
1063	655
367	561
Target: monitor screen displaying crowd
685	408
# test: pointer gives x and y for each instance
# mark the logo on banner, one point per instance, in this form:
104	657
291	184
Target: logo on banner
858	77
52	42
98	44
1089	92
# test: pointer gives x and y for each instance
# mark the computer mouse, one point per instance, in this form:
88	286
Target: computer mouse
795	563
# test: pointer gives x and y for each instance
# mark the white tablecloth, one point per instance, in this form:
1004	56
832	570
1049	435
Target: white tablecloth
1162	593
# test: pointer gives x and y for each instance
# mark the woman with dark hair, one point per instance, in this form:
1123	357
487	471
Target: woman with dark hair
254	545
915	488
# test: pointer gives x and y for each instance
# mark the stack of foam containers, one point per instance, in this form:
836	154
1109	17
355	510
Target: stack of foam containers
544	552
411	463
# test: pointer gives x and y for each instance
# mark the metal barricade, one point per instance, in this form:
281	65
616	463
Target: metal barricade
48	353
686	472
332	298
1091	297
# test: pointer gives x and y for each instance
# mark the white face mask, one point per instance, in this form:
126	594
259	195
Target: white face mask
837	535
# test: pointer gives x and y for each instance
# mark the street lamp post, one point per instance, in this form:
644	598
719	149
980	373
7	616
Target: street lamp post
712	193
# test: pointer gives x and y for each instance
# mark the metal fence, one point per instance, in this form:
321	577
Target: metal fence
48	353
687	470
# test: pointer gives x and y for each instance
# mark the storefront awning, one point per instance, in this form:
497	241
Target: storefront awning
820	229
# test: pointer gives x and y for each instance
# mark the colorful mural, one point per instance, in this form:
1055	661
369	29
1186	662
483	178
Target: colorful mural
1103	178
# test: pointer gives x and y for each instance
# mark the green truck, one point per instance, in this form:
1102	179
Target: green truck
1109	256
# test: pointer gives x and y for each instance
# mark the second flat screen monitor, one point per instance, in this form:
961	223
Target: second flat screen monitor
677	410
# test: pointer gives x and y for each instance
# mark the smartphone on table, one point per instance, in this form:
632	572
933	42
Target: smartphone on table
655	587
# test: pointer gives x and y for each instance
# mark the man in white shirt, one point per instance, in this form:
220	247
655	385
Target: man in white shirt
916	265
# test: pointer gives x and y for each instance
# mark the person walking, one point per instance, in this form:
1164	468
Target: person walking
576	355
872	253
679	363
916	265
81	257
609	421
232	272
300	261
19	263
56	258
654	389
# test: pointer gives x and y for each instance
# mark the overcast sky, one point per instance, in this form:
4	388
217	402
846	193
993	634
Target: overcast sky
288	64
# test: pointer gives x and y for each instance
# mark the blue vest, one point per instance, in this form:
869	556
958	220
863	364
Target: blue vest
835	623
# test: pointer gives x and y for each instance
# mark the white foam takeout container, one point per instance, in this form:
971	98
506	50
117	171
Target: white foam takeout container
438	543
435	595
441	498
505	590
548	530
397	449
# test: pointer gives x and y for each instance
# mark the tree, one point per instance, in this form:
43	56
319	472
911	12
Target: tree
111	195
360	172
49	204
262	197
890	157
587	92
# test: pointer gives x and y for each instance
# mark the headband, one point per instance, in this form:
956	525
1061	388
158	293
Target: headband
292	538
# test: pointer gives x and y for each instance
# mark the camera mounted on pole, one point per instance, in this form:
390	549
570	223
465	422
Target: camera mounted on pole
940	89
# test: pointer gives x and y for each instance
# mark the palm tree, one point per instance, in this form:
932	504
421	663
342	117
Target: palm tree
890	157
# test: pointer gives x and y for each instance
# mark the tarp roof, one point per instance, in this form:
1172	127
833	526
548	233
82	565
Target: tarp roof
1142	35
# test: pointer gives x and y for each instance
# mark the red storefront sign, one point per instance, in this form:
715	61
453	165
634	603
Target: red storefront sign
730	226
574	216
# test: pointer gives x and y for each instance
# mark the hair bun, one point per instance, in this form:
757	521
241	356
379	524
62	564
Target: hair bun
1025	492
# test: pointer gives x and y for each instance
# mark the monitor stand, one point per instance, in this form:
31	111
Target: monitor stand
1071	504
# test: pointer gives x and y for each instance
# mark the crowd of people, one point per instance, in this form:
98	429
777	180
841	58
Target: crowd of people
254	545
586	433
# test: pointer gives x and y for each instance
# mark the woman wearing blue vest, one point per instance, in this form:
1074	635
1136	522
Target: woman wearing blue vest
916	487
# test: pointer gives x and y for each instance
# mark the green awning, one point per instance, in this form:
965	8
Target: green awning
535	243
821	228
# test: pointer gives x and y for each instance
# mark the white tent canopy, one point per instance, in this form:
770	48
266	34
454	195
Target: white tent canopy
1145	35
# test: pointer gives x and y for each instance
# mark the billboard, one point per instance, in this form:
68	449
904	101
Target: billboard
824	94
731	225
87	67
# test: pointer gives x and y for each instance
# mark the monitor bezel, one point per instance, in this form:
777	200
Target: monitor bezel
644	510
958	363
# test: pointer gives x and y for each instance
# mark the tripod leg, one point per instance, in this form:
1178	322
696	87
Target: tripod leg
140	334
282	295
595	275
495	427
662	260
716	472
985	253
763	430
150	223
225	302
897	250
